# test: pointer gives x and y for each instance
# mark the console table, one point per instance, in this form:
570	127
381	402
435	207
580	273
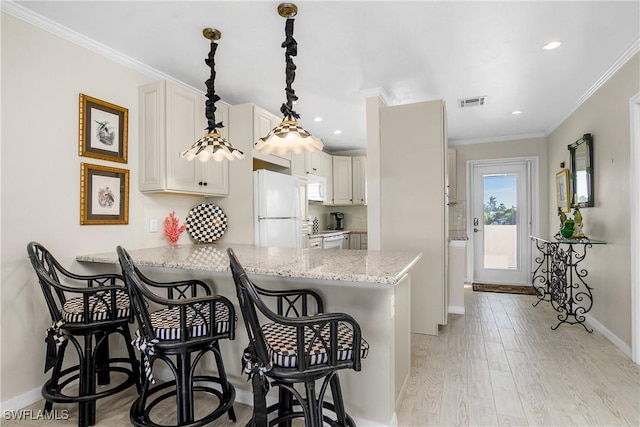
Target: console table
559	279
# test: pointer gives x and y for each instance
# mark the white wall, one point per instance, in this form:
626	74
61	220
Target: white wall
606	116
42	77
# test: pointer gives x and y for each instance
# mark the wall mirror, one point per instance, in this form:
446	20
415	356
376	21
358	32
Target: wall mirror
581	153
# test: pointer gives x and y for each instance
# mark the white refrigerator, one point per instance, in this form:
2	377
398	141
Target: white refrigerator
276	207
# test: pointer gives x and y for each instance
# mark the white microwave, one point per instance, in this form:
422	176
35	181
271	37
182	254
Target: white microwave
316	188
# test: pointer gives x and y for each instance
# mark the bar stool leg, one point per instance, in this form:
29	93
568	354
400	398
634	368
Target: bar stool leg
314	412
285	405
338	403
87	410
223	377
135	363
102	359
185	396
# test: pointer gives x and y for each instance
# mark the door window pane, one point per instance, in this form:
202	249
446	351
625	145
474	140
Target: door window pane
500	197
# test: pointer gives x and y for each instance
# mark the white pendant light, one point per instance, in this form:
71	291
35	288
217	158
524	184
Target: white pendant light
289	136
212	145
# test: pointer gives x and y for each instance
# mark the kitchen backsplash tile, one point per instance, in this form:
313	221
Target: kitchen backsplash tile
355	217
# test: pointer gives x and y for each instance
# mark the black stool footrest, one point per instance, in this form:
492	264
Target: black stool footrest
143	418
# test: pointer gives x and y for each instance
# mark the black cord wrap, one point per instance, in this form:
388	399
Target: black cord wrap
212	98
291	47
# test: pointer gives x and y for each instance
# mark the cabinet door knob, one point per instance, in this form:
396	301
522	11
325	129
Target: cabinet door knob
200	183
204	183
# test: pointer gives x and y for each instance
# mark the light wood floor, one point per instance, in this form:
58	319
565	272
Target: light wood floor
499	365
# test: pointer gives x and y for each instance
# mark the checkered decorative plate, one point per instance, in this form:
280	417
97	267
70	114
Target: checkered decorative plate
206	223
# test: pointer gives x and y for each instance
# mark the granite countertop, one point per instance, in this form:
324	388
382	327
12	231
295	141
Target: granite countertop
382	267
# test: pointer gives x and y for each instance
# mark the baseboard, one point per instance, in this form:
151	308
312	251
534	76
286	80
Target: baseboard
403	390
25	399
364	422
621	345
456	309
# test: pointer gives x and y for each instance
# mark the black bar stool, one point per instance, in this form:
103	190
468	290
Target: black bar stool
297	346
186	327
85	311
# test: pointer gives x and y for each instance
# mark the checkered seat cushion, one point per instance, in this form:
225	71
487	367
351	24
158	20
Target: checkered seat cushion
281	344
166	322
99	307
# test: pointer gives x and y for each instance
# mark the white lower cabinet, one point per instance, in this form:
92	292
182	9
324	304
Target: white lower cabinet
171	119
354	241
358	240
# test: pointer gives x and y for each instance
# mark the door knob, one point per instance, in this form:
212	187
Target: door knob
476	230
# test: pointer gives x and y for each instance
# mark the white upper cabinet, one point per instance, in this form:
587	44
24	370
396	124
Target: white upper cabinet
298	164
342	181
349	180
327	171
308	163
314	163
171	119
359	170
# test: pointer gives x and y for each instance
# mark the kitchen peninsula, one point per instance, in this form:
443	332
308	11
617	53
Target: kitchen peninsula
371	286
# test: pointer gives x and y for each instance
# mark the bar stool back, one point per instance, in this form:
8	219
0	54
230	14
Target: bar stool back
297	346
183	326
85	310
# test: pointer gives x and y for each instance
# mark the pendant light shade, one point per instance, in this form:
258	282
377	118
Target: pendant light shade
289	136
212	145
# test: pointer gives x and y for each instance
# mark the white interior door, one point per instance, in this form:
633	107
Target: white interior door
501	222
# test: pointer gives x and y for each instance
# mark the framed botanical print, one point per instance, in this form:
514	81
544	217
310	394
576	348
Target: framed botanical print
563	191
104	195
103	130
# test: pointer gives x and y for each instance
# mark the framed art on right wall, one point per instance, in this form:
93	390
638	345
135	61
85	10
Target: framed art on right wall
562	190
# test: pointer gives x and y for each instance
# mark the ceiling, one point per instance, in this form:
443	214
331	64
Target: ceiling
411	51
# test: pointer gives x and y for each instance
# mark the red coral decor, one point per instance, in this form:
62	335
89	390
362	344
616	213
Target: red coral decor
172	228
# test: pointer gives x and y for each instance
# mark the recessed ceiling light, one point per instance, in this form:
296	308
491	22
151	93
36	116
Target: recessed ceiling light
552	45
317	119
337	132
516	112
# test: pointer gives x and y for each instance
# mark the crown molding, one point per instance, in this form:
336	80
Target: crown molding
379	92
626	55
29	16
457	142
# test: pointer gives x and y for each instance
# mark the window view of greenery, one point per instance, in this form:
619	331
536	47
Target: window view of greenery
499	214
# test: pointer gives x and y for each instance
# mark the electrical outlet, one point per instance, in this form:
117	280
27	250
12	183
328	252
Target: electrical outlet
153	225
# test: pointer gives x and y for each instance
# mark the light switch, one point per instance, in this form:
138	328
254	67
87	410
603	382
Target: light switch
153	225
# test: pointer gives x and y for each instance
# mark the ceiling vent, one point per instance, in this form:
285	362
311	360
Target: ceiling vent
476	101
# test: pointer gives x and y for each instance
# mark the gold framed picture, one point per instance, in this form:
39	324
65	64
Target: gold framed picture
103	130
104	195
562	190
